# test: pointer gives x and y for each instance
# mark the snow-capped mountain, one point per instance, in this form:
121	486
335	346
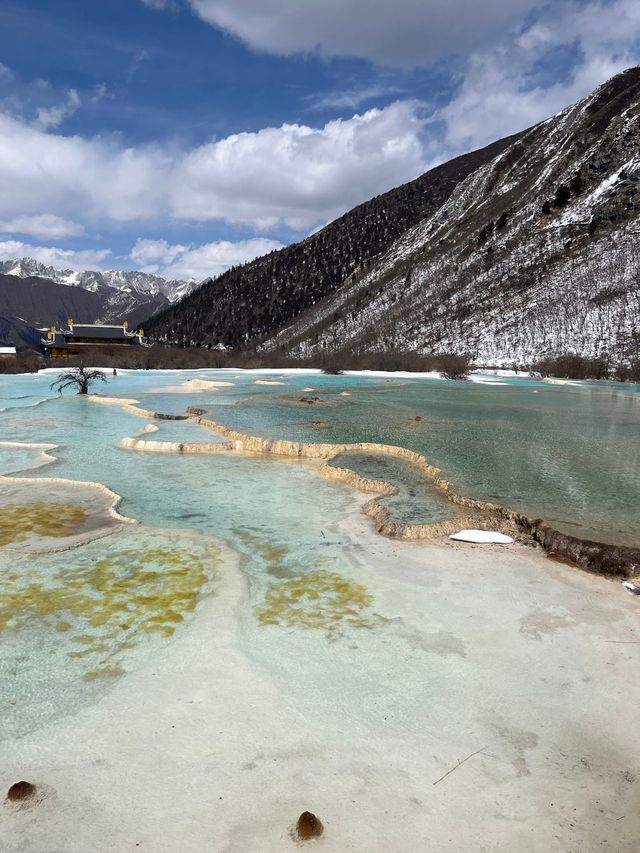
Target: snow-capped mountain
145	284
534	250
39	295
119	296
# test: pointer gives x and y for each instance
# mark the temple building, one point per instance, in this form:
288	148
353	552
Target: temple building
61	343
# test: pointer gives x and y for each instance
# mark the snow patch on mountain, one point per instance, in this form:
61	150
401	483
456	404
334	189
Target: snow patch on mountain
133	282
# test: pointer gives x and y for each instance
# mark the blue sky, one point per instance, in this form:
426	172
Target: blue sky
182	136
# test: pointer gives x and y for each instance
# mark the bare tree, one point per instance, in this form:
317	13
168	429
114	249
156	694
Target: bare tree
78	377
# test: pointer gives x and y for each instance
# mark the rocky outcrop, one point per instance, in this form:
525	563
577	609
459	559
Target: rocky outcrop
620	560
20	791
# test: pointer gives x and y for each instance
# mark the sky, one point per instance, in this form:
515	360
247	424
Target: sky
182	137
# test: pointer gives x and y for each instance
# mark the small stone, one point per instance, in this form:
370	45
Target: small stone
309	826
21	791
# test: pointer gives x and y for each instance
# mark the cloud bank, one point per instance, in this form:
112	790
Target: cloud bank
505	90
388	32
197	262
293	174
91	259
44	226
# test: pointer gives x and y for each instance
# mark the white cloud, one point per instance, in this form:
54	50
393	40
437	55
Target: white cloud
388	32
100	92
5	72
136	61
78	178
45	226
47	117
294	174
498	94
197	262
298	174
55	257
155	252
353	98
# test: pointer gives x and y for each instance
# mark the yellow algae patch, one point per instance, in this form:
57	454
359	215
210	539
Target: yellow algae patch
108	605
21	521
104	672
320	599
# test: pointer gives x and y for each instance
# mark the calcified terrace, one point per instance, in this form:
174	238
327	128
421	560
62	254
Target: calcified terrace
593	556
251	648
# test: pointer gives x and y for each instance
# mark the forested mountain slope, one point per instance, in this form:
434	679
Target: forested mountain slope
256	299
536	252
526	248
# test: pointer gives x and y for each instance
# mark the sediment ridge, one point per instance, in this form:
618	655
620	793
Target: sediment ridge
83	484
133	407
175	446
598	557
46	458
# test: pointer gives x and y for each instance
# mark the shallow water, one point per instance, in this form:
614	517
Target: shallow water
565	453
179	500
251	639
417	500
73	621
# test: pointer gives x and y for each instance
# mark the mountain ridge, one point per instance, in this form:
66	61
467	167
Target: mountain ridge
35	294
95	280
533	254
532	251
253	300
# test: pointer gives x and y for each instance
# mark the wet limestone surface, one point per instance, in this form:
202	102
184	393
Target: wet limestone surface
72	621
21	521
416	501
107	605
277	697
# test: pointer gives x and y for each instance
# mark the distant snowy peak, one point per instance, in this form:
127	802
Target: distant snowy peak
138	284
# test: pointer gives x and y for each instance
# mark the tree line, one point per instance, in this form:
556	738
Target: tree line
451	365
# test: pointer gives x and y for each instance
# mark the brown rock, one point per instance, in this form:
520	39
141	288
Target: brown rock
22	791
309	826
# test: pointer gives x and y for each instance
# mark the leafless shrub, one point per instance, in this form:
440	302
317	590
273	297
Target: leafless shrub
572	366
